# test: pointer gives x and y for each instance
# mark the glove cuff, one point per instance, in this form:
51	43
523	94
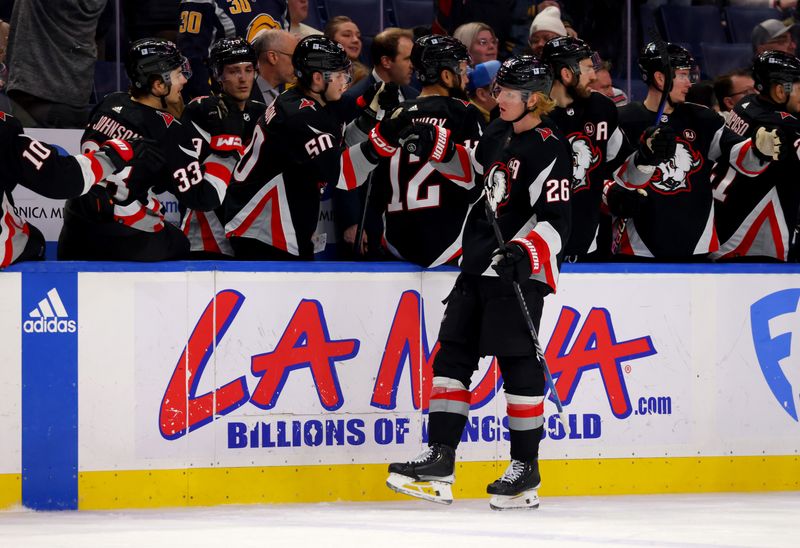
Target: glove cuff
442	147
380	145
122	148
226	144
533	253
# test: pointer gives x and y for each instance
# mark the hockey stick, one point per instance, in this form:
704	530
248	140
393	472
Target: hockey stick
661	46
523	306
362	224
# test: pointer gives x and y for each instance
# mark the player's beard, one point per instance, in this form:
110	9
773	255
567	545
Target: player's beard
579	92
457	92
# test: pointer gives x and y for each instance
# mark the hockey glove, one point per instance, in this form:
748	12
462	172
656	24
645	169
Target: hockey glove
225	126
118	152
385	137
775	144
429	142
657	145
516	262
379	99
625	203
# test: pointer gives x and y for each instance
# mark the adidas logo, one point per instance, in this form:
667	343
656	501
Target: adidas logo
117	109
49	316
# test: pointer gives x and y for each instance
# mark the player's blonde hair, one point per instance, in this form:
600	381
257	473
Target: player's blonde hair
544	104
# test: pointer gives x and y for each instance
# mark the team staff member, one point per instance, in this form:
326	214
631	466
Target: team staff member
273	206
526	169
123	220
233	67
39	167
757	216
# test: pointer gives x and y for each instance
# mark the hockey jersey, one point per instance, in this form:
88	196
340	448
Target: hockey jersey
205	229
756	215
527	179
425	207
275	194
197	185
38	167
598	148
204	22
677	219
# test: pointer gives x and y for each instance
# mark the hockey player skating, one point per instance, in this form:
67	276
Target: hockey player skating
673	219
294	154
525	168
425	206
590	122
757	216
38	166
233	68
122	219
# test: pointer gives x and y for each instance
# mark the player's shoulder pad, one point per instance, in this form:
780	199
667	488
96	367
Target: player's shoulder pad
602	103
633	111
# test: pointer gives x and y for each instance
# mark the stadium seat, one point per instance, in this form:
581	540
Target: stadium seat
367	14
314	18
721	58
692	25
742	20
410	13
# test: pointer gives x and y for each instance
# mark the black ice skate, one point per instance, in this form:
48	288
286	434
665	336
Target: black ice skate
429	476
517	488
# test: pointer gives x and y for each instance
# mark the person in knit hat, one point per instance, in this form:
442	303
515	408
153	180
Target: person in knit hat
546	26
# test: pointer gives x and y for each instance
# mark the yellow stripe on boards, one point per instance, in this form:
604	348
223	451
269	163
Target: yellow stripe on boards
10	490
357	482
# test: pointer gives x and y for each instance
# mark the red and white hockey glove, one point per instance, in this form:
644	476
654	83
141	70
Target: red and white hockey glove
429	142
385	137
517	261
118	152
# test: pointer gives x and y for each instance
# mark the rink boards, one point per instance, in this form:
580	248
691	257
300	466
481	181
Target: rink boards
202	383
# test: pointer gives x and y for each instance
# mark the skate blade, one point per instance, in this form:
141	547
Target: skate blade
432	491
527	500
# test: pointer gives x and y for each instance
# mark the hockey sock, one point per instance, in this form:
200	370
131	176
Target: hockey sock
447	411
525	425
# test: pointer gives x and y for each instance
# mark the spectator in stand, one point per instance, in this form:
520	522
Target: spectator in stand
605	85
56	37
546	26
343	30
480	40
773	35
298	12
479	89
731	87
274	50
498	14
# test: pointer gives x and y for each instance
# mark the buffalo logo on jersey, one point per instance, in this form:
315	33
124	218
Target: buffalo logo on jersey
497	185
260	22
675	175
585	157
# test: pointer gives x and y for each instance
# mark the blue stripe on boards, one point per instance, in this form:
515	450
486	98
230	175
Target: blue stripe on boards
50	390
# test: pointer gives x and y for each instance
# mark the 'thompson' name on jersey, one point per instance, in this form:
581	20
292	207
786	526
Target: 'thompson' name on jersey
756	215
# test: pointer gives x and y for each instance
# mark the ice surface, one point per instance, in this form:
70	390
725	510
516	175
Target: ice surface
746	519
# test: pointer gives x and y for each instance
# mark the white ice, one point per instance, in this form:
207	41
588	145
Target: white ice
751	519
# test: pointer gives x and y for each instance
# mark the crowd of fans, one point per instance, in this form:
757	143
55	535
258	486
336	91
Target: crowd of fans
48	52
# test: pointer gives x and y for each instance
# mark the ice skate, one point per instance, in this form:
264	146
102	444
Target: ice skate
518	488
429	476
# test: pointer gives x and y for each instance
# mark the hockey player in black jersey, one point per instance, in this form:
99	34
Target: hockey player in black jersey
525	168
122	219
233	68
757	216
673	218
39	167
425	207
590	122
205	22
273	206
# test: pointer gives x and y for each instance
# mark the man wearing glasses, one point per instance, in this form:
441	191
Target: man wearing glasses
274	50
731	87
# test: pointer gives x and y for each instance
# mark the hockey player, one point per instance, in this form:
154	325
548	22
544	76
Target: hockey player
757	216
204	22
425	208
526	171
38	167
273	206
233	68
122	219
590	122
668	201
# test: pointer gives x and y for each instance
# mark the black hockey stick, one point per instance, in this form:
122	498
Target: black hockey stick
362	224
663	52
523	306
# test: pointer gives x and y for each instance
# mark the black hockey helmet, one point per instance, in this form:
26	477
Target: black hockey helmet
566	51
230	51
316	53
650	61
154	57
525	73
433	53
775	67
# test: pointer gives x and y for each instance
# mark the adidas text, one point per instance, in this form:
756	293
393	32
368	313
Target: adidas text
49	325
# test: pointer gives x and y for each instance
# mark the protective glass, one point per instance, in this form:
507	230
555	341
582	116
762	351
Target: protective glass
687	73
343	76
186	68
499	92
